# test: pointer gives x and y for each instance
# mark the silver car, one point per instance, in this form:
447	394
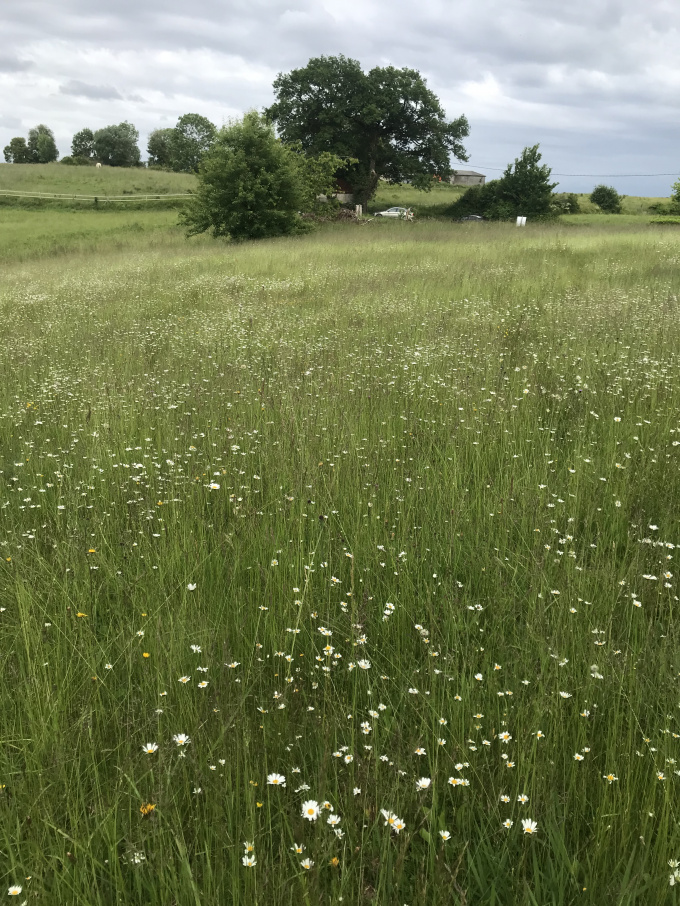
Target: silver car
398	213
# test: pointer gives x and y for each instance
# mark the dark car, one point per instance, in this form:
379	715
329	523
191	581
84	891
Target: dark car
475	218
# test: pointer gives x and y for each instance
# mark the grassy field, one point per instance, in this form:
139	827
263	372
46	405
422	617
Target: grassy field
389	511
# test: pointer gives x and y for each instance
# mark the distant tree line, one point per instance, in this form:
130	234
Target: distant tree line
180	148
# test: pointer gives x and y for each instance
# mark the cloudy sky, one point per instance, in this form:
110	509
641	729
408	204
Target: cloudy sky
596	82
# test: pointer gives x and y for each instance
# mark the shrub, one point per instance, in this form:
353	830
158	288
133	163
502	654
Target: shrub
565	203
607	199
523	189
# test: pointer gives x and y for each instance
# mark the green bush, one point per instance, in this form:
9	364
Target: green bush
607	199
523	190
76	160
565	203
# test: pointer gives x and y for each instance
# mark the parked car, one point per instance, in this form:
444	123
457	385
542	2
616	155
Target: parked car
399	213
475	218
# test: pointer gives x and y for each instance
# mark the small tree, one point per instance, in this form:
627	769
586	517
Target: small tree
42	147
675	197
82	144
159	147
607	199
192	137
17	151
249	184
117	145
523	189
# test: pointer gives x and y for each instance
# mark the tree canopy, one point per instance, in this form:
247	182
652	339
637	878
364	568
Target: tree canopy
82	144
117	145
523	189
42	147
191	138
16	152
387	120
607	199
159	147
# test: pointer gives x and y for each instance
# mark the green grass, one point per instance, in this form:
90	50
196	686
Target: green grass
455	449
90	181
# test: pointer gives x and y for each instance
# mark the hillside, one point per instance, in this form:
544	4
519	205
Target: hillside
90	181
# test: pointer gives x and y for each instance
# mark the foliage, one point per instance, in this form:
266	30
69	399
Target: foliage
73	161
565	203
675	195
42	147
17	151
523	189
386	119
607	199
117	146
249	184
191	138
159	148
82	144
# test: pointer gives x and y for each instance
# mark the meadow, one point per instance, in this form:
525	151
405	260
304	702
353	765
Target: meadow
340	568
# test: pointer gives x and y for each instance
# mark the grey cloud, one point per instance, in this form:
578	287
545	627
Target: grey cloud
605	75
95	92
14	64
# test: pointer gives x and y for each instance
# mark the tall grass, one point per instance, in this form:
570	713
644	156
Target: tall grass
411	491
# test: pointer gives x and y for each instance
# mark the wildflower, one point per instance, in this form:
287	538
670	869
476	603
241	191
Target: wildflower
523	798
479	677
333	820
196	649
310	810
539	734
202	684
505	797
150	748
578	757
147	808
508	823
249	847
420	751
191	586
249	861
445	835
181	739
307	864
565	694
184	679
504	736
276	779
364	664
145	654
357	791
423	783
298	848
529	826
398	825
610	778
14	890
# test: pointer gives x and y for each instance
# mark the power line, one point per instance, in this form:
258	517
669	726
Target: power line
592	175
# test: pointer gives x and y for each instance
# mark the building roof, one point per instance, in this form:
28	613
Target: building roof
467	173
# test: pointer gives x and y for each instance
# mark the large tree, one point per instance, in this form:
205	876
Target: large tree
387	119
192	137
82	144
42	147
17	151
117	145
159	147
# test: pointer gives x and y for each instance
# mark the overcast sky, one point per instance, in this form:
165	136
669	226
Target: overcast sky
596	82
